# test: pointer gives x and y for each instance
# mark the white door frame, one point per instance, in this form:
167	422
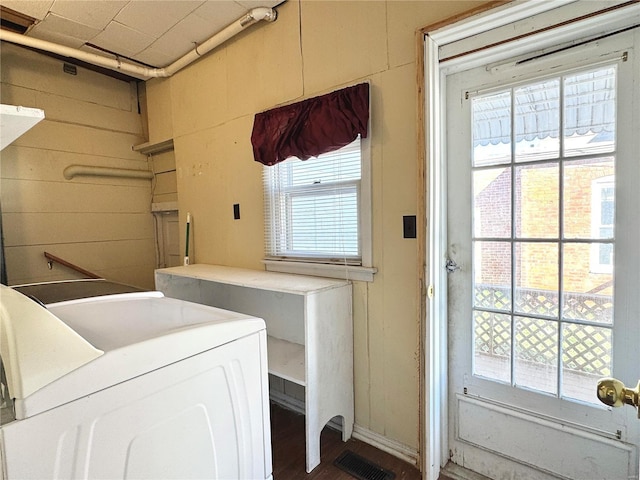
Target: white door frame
434	436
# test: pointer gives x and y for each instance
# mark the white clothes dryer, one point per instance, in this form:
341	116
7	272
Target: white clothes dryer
133	385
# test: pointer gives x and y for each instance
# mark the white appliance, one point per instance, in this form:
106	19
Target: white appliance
133	385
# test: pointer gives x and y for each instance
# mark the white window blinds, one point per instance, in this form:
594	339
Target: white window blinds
312	207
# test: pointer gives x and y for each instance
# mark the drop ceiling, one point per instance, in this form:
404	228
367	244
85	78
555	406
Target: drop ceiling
152	32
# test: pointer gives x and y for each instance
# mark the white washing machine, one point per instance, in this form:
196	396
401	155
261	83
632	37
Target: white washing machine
133	385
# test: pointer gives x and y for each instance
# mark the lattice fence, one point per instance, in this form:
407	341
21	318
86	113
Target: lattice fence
585	348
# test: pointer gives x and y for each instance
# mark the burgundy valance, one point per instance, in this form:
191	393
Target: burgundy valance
311	127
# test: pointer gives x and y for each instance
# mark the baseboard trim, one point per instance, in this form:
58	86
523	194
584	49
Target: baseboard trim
393	447
286	401
374	439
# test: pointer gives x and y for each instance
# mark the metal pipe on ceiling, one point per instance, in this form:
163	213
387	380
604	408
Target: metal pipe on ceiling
140	71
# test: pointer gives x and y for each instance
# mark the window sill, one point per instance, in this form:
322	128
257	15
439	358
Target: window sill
347	272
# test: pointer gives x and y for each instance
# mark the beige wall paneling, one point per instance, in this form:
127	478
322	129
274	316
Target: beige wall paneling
65	137
313	48
164	187
164	162
28	163
101	224
405	17
215	170
240	78
141	90
260	78
399	259
199	95
72	110
36	72
36	196
158	105
361	354
119	260
342	42
73	227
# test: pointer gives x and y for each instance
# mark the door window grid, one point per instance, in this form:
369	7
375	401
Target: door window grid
529	331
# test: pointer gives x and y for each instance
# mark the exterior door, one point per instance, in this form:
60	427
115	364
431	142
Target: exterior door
543	229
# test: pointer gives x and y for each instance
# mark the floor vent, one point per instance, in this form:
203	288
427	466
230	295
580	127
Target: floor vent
361	468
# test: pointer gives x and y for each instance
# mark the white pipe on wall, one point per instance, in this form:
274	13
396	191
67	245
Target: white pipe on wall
140	71
89	170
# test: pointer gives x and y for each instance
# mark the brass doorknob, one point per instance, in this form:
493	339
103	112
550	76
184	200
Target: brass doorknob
612	392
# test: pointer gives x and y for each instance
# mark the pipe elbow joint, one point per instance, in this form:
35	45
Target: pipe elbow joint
263	13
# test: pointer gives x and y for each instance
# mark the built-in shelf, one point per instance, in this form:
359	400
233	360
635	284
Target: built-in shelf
286	360
149	148
309	332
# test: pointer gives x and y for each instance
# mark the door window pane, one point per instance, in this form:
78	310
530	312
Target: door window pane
590	112
537	200
492	203
536	279
589	198
586	358
492	339
492	275
536	354
491	117
537	121
587	295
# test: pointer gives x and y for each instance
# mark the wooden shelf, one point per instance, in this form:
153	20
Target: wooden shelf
286	360
156	147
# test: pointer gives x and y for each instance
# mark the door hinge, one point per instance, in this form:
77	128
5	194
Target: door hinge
430	291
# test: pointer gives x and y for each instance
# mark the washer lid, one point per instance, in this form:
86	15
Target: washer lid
36	347
138	332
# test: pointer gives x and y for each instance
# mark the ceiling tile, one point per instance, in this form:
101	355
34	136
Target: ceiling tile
220	14
156	16
122	39
155	57
188	32
249	4
54	25
58	38
155	32
34	8
174	44
89	12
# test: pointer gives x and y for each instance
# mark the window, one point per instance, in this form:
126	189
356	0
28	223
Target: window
317	212
543	165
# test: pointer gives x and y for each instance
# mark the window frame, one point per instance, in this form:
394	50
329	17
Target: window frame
324	268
